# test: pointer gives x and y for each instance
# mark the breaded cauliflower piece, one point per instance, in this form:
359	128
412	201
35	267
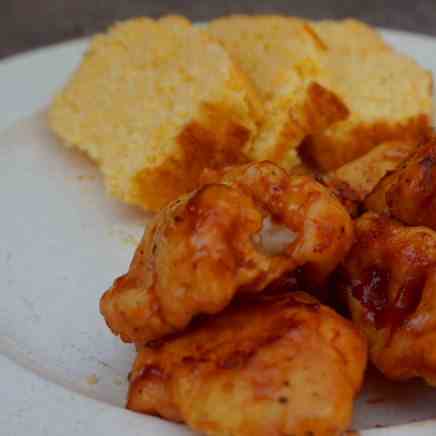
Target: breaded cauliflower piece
390	280
234	236
356	180
409	193
282	365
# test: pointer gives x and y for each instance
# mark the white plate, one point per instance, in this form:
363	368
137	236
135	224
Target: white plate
62	243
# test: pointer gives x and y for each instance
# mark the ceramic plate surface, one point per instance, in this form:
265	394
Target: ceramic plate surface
62	243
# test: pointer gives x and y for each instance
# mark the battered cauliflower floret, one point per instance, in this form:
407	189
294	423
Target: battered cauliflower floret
282	365
390	279
409	194
233	236
355	181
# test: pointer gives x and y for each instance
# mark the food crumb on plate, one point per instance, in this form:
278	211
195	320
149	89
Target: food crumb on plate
86	177
126	238
92	380
118	381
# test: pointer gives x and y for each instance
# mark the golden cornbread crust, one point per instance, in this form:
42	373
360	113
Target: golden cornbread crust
388	94
213	141
153	103
327	152
320	109
334	34
285	59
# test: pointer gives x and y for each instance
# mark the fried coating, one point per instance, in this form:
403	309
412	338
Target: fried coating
323	227
282	365
390	280
409	194
236	236
354	181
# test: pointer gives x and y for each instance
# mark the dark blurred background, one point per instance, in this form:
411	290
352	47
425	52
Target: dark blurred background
25	24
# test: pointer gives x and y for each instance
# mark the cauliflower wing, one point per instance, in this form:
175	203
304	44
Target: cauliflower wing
282	365
354	181
390	281
235	236
409	194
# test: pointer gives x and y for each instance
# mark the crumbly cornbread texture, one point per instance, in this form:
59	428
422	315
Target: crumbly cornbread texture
285	59
388	94
153	103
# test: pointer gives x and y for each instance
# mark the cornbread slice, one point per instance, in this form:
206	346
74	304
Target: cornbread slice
388	94
349	35
153	103
285	59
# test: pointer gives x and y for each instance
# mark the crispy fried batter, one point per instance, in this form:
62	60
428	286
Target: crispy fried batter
409	194
226	238
282	365
354	181
390	279
304	206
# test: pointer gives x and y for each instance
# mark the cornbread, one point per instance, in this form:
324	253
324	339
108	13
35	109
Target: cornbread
285	59
349	36
388	94
153	103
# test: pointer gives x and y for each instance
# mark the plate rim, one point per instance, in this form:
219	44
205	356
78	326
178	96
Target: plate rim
4	61
15	61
